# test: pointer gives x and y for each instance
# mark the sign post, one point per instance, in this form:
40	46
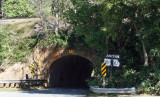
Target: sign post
109	60
112	60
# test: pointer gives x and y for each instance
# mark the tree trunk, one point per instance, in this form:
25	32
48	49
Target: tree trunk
57	20
145	52
57	24
144	47
2	10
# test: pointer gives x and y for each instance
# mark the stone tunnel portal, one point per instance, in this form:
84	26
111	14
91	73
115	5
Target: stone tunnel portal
70	71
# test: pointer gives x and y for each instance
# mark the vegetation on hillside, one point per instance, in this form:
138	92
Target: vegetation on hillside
130	28
14	47
17	9
16	44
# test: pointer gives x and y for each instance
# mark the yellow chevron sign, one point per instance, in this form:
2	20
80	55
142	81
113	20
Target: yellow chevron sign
103	69
71	51
32	68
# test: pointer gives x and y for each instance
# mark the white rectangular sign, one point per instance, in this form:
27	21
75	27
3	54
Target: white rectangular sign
112	60
113	56
116	63
107	61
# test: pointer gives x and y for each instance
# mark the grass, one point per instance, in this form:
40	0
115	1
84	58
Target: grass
27	25
22	28
18	24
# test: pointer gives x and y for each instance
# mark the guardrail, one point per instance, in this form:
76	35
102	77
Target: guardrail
113	90
21	83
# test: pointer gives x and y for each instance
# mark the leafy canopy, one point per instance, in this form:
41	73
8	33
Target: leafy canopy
17	9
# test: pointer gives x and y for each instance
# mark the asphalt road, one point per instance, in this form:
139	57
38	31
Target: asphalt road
58	92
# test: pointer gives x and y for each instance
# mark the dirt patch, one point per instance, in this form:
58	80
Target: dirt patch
17	71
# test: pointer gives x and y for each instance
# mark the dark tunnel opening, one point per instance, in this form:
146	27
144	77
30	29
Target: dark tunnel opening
70	72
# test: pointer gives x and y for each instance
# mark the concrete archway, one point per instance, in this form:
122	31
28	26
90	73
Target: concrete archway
70	71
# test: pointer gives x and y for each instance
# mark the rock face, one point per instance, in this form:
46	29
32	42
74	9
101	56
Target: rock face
45	64
43	58
17	71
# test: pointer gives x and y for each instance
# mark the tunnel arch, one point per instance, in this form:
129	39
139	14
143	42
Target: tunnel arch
70	71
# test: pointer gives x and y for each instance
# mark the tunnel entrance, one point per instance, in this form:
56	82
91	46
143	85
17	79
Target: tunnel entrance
70	71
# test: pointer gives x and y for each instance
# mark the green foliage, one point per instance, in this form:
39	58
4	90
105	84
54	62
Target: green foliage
51	40
87	22
116	26
41	8
15	47
22	49
95	82
5	42
121	26
17	9
16	50
122	21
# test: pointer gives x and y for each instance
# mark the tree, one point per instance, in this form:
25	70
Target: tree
1	8
126	27
17	9
59	7
137	14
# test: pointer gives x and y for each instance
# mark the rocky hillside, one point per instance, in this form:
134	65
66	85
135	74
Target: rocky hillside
16	53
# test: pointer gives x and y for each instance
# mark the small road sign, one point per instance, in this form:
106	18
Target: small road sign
109	56
71	51
107	62
112	60
103	70
116	63
32	68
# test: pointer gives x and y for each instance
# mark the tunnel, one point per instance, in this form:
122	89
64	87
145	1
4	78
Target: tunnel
70	71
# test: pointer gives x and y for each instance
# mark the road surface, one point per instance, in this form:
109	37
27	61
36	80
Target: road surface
10	21
53	92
